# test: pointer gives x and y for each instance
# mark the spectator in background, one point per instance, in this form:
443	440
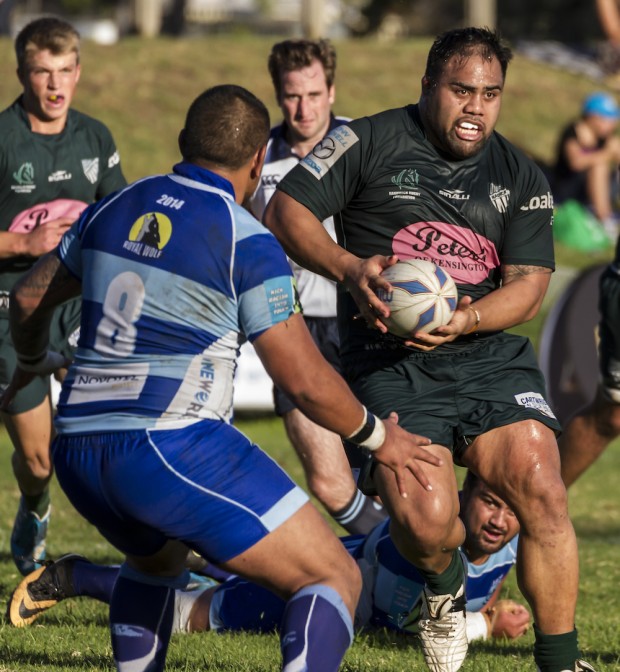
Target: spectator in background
587	157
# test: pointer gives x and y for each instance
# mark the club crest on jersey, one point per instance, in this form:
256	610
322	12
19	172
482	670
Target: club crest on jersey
24	176
499	197
536	401
91	169
406	181
149	235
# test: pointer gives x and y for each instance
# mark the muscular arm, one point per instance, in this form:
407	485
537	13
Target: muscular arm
306	241
304	238
32	303
296	366
516	301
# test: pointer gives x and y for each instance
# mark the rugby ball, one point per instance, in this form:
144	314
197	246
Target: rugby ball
423	298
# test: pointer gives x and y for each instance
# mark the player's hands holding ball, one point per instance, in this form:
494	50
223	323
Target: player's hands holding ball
413	299
424	306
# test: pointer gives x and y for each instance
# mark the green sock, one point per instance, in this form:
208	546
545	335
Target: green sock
450	580
554	653
38	504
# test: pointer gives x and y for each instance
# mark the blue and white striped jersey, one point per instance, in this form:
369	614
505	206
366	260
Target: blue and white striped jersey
174	274
392	587
316	293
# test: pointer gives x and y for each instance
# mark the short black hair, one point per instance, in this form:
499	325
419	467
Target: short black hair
465	42
224	126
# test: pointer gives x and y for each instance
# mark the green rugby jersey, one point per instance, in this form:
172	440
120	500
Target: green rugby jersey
43	177
391	192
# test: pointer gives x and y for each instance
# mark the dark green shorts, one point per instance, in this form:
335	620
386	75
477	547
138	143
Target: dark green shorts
63	339
453	397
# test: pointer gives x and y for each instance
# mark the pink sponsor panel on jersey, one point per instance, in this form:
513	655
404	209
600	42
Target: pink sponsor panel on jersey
40	214
468	256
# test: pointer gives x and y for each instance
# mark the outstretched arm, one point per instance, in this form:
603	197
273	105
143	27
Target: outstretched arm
297	367
516	301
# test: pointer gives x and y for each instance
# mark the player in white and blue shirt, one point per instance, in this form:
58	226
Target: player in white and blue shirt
392	586
174	273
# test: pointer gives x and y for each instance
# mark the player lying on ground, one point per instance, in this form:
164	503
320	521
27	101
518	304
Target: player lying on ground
391	594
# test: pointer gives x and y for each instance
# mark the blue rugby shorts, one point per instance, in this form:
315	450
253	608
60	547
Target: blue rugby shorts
206	485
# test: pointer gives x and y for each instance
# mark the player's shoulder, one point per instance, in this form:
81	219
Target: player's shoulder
517	164
246	225
12	120
511	152
384	125
79	120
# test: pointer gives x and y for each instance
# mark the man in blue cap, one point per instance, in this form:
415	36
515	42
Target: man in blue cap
587	158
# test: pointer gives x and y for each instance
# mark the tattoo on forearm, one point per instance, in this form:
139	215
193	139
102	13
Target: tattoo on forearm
513	272
48	276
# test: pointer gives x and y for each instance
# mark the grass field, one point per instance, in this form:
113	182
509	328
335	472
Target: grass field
141	90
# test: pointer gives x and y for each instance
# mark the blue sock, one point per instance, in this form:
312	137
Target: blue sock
316	630
141	612
96	581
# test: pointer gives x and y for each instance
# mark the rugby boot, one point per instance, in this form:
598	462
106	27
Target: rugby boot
28	539
42	589
442	630
580	666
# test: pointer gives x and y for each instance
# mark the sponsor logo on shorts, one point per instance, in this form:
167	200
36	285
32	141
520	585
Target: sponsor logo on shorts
324	155
536	401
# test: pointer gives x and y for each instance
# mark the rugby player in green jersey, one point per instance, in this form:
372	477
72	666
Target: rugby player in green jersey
53	162
435	181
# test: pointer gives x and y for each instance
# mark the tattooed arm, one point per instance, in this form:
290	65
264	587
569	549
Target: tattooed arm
516	301
33	300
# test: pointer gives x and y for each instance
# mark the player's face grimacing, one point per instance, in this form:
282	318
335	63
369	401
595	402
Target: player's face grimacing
461	107
489	522
305	101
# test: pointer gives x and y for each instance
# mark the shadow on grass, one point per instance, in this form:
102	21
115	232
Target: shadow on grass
43	661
